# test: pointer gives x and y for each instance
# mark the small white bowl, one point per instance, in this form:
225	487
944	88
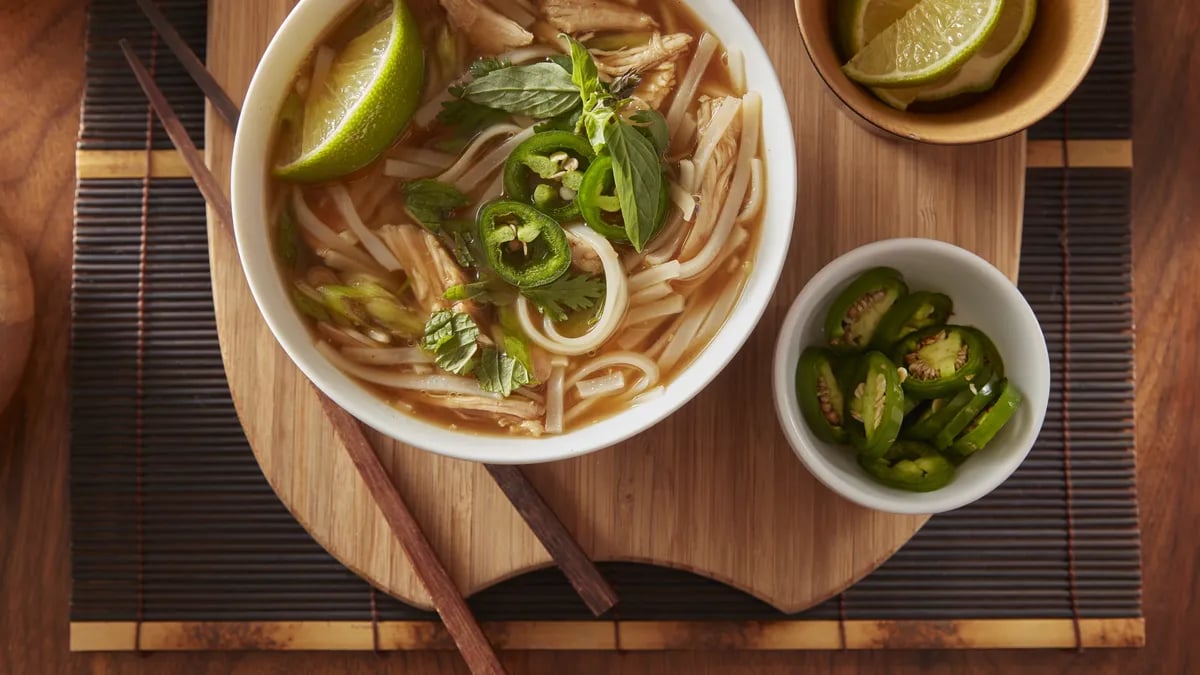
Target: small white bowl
251	157
984	298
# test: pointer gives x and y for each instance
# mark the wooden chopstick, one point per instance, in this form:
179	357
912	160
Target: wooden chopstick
221	102
461	624
207	183
449	603
581	572
585	578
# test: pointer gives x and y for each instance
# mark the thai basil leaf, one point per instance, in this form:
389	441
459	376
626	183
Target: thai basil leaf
637	173
539	90
599	107
654	127
624	85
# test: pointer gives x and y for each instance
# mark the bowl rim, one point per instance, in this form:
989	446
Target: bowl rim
836	273
290	44
986	132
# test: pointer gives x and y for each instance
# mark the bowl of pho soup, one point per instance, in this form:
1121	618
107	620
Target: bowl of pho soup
513	231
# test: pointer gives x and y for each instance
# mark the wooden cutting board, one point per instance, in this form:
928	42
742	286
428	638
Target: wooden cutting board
714	489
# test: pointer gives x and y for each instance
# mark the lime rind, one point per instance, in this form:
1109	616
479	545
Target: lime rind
362	129
981	73
925	34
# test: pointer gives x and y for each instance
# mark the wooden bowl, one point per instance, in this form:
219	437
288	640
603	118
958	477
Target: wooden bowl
16	315
1061	48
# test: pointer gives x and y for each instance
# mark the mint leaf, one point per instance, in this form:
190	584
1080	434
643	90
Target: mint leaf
452	339
637	172
432	202
501	373
571	292
539	90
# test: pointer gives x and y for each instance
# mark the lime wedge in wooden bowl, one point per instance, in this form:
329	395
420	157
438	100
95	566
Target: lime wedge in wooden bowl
928	42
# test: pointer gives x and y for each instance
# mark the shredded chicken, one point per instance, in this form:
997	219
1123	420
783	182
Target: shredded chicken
584	256
717	177
656	85
513	406
658	49
532	427
578	16
490	31
429	267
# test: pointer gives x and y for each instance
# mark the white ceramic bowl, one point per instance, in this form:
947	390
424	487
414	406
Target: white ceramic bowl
984	298
295	39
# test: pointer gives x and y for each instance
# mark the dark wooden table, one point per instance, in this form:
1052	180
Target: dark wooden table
41	81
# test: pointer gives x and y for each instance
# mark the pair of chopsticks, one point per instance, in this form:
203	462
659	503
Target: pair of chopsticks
583	575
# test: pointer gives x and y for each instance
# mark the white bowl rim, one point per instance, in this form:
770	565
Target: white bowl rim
291	44
837	272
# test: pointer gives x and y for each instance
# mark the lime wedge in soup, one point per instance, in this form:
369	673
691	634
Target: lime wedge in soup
355	109
929	41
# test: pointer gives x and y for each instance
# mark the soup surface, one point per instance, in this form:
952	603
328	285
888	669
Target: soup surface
520	216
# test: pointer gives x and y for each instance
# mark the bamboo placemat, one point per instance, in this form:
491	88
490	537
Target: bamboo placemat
179	543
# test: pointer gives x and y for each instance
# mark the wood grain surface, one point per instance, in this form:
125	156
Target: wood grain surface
715	489
41	56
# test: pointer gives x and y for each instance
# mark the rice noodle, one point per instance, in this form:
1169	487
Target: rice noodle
398	356
429	111
406	170
721	308
649	277
648	395
318	230
754	202
736	62
686	91
712	134
601	386
616	302
433	158
344	263
491	162
683	337
554	400
687	175
322	62
514	10
685	136
439	383
650	294
467	158
345	336
684	199
370	241
672	304
751	117
650	377
531	394
526	54
667	242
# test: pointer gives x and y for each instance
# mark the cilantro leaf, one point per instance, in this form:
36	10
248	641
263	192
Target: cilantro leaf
452	338
501	373
432	202
571	292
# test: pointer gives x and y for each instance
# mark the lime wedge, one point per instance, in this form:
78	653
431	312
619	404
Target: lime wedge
858	21
929	41
981	71
372	90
